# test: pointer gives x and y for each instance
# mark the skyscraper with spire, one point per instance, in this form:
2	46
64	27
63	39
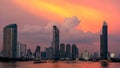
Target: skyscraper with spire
104	42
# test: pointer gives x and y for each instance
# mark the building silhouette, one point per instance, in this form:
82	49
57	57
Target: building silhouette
62	50
37	53
49	53
104	42
29	54
21	50
55	43
43	55
74	51
68	51
95	56
10	41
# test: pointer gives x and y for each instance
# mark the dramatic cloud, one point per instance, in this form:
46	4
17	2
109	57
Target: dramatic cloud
68	33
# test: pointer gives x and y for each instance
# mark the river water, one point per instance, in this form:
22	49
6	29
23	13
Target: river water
58	65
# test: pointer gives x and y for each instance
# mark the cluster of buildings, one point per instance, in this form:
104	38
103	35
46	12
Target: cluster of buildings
14	49
66	52
59	51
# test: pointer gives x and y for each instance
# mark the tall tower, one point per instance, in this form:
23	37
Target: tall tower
68	51
55	44
104	42
62	50
10	41
74	51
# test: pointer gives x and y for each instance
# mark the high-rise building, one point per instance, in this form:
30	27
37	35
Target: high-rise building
37	53
29	54
74	51
62	51
49	53
95	56
55	43
43	55
1	53
10	41
104	42
21	50
85	55
68	51
77	52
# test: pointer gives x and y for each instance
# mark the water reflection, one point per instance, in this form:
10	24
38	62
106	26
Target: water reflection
104	64
9	65
60	65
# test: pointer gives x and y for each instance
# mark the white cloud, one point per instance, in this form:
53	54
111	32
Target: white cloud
70	23
32	28
49	26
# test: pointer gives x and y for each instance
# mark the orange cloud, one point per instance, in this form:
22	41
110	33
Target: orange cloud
56	10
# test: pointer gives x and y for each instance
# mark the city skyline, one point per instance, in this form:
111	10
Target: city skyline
84	22
14	49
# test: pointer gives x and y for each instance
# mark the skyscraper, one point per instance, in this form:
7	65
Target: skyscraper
37	53
29	54
74	51
21	50
62	50
95	56
68	51
104	42
49	53
10	41
55	43
85	55
43	55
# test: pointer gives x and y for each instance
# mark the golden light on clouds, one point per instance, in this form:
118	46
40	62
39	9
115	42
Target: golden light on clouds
57	12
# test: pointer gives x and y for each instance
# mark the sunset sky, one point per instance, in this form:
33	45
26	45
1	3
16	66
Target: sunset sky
79	21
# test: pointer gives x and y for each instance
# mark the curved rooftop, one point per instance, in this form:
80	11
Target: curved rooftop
11	26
